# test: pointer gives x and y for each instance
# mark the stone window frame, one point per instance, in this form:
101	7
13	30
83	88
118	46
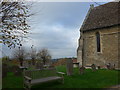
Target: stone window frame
100	46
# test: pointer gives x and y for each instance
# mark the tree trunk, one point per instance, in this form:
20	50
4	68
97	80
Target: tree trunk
33	61
21	62
44	62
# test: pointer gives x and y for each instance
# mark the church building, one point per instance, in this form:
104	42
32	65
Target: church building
99	41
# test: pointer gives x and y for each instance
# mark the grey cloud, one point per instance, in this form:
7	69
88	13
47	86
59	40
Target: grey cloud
56	26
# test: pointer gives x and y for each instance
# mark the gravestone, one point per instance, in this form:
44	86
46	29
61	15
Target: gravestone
69	67
109	66
17	71
113	67
93	67
82	70
99	67
4	70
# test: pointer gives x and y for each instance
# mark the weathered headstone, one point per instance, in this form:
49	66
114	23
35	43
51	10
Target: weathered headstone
113	67
99	67
109	66
4	70
93	67
82	70
69	67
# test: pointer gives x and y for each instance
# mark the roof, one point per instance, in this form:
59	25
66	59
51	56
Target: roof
105	15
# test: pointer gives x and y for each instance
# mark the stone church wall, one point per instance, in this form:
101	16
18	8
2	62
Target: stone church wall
109	47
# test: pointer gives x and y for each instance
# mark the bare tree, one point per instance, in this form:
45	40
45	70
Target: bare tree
44	55
13	22
20	54
33	55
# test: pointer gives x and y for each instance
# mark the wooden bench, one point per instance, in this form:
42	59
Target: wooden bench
33	77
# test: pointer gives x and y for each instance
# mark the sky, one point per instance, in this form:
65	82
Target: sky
55	26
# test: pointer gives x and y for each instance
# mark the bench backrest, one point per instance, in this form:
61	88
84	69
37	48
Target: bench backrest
37	74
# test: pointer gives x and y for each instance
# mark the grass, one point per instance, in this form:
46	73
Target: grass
12	81
98	79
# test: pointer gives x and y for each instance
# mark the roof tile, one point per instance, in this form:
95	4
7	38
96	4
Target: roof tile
103	16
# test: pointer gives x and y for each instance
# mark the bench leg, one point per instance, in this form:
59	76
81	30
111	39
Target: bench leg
26	87
29	87
61	81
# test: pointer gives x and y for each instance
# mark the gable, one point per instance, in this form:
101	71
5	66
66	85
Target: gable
103	16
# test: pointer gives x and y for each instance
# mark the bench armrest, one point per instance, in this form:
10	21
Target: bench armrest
61	73
26	77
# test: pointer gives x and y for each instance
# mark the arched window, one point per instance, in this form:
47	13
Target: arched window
98	42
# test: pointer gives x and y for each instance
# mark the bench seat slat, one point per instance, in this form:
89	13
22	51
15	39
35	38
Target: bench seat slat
40	76
35	81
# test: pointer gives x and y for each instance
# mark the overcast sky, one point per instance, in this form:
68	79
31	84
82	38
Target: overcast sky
55	26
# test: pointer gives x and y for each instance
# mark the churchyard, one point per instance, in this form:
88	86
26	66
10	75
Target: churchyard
73	77
33	67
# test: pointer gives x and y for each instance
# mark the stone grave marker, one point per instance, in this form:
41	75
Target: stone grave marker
69	67
93	66
99	67
113	67
82	70
109	66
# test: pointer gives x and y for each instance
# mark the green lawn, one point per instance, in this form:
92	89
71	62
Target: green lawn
98	79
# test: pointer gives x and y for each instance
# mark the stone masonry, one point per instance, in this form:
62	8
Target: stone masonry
99	41
109	47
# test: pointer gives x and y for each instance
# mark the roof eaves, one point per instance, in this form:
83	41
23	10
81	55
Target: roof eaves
91	7
101	27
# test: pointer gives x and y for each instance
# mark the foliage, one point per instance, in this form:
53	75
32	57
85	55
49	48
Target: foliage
13	26
5	59
33	55
20	54
14	62
44	55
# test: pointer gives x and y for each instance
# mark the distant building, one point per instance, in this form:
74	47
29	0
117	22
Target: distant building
100	36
